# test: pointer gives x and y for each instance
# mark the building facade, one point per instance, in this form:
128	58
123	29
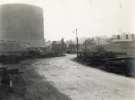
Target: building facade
122	43
124	37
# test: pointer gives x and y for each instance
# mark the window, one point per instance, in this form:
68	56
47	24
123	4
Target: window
126	36
118	36
132	36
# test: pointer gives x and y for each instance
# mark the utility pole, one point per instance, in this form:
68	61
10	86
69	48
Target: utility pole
77	45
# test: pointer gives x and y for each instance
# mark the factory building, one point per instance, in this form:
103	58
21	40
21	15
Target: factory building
124	37
124	43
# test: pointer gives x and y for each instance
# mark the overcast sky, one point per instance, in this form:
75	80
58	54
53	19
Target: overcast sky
90	17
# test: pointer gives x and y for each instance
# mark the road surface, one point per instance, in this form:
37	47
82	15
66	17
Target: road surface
80	82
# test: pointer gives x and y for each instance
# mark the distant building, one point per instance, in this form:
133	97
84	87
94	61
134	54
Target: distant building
124	37
123	43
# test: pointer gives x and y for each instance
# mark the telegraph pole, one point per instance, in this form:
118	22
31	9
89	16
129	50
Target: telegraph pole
77	45
76	38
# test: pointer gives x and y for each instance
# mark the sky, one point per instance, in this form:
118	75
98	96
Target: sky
91	17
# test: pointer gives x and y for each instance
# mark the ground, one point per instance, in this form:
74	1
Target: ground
61	78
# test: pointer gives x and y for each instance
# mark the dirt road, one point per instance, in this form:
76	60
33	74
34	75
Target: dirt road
61	78
81	82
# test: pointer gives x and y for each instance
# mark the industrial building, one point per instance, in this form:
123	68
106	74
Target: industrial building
124	43
124	37
21	26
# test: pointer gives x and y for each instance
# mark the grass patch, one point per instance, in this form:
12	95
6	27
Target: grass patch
108	61
31	86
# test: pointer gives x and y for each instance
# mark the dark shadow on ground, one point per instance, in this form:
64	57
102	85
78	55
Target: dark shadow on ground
31	86
17	91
